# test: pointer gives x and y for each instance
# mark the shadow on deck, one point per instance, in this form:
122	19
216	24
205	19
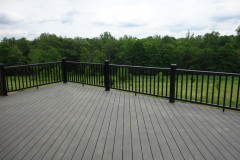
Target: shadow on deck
69	121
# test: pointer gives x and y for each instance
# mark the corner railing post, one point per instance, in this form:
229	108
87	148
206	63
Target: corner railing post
106	75
3	86
172	82
64	70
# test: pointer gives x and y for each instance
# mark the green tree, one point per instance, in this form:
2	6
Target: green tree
209	52
99	57
151	52
53	55
123	56
227	59
10	41
37	56
138	57
85	55
211	40
16	57
167	54
106	36
206	59
41	56
4	52
238	31
46	40
238	36
110	48
24	46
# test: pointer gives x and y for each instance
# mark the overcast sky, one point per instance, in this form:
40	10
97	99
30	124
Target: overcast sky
139	18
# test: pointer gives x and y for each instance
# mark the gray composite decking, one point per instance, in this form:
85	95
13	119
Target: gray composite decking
71	121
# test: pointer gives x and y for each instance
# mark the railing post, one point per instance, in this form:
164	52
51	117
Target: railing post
64	70
106	75
172	82
3	87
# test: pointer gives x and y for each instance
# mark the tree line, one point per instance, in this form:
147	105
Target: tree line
211	51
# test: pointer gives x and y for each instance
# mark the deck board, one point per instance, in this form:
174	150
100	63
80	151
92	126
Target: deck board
136	142
71	121
127	135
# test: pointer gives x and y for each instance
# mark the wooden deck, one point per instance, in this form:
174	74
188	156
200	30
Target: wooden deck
70	121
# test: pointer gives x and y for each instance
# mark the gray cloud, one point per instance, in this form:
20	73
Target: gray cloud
65	18
101	23
17	33
49	20
68	17
224	18
183	27
198	28
119	24
6	20
121	17
130	24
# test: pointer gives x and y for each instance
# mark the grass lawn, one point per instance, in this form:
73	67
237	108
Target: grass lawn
191	87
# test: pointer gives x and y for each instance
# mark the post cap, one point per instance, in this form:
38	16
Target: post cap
106	61
173	66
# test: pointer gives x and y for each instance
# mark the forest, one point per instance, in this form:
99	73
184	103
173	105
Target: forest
211	52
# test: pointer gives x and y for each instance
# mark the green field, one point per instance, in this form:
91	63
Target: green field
203	90
18	81
198	88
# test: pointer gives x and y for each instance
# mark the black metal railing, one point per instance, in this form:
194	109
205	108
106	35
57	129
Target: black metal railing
139	79
85	73
3	86
204	87
212	88
33	75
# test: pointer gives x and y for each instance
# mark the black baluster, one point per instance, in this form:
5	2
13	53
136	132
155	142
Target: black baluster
162	81
192	80
207	88
186	85
202	87
167	86
181	84
158	83
219	89
15	80
196	88
146	81
177	86
150	81
172	82
154	82
10	71
36	75
225	90
238	92
213	88
19	79
230	105
106	75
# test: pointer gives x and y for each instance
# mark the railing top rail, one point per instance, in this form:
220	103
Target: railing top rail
20	66
208	72
84	63
140	67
